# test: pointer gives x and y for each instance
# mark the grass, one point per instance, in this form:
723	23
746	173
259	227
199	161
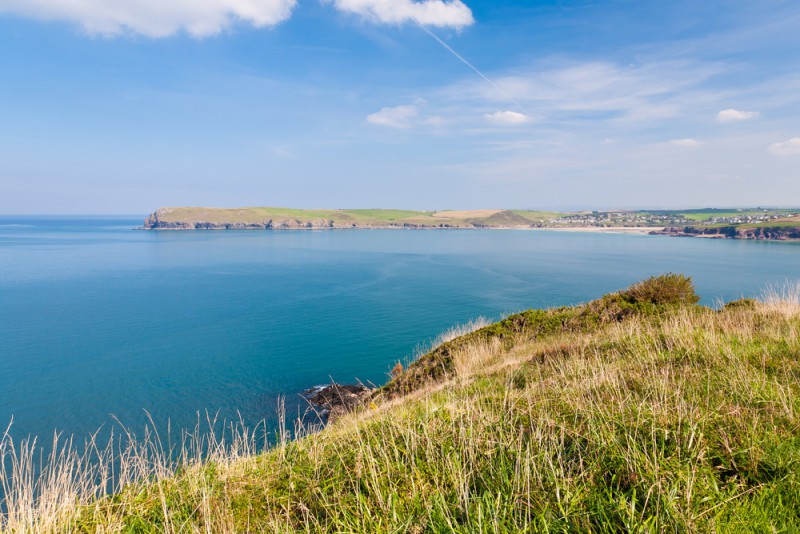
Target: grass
388	214
640	411
242	215
700	215
780	223
705	215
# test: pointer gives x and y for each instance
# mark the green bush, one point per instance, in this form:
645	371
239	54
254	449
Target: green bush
667	289
741	304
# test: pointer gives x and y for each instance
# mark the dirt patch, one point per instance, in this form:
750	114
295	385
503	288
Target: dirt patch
465	214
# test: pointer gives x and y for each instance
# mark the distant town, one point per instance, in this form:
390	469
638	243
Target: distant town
672	218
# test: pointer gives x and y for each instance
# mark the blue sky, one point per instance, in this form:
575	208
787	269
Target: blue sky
122	106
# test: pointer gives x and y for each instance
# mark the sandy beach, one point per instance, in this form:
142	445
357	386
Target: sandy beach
603	229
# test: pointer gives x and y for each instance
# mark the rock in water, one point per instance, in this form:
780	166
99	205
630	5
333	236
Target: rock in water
336	400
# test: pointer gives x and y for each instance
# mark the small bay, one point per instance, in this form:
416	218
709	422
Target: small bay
100	321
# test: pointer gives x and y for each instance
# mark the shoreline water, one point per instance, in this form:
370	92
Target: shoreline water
590	229
629	230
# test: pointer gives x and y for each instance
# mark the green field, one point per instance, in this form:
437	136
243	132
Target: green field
711	213
775	224
708	216
386	215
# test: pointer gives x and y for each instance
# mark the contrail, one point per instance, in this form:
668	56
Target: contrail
470	65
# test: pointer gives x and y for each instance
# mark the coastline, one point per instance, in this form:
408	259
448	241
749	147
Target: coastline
641	230
631	223
627	230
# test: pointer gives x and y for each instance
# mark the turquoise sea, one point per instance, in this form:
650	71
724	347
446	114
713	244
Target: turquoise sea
98	320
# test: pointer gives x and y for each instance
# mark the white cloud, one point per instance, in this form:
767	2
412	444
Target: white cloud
155	18
567	91
396	117
407	116
434	120
507	117
441	13
687	143
734	115
786	148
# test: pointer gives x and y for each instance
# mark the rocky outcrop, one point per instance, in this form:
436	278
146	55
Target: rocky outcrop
722	232
775	233
762	233
331	402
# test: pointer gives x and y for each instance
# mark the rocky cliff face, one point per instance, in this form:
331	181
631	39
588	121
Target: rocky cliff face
771	233
156	221
265	225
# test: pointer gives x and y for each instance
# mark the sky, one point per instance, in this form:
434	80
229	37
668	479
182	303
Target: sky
123	106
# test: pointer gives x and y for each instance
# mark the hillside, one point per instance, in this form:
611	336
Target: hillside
639	411
192	218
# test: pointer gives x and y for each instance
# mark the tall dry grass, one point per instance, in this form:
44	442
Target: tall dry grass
459	330
49	489
782	298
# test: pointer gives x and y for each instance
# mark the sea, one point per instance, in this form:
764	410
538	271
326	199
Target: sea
102	324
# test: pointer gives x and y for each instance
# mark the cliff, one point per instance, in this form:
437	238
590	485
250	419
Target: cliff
210	219
756	232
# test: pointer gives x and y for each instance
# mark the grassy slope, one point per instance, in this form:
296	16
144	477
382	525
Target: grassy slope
788	222
244	215
624	414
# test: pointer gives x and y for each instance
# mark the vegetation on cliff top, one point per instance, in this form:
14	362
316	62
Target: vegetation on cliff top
640	411
192	216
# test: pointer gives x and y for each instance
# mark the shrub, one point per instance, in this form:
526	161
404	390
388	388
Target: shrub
741	304
667	289
396	371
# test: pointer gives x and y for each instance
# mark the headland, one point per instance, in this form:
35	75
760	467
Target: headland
739	223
